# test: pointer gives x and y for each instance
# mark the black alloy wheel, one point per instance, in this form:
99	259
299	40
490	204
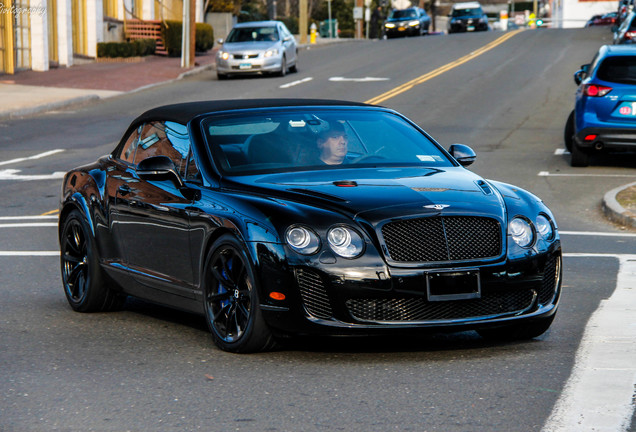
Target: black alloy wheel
231	300
84	283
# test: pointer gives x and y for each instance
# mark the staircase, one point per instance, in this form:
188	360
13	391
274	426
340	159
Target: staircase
148	29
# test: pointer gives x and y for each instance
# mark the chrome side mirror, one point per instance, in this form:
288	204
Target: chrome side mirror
463	154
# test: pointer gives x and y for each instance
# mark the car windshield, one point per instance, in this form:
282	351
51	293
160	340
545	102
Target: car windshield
618	70
253	34
281	141
458	13
401	14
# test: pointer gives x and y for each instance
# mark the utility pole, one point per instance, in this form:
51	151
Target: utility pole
302	21
188	34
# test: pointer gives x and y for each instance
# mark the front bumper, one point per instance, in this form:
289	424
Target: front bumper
606	138
402	30
467	26
369	301
249	65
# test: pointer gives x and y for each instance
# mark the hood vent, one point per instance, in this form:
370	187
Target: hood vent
320	195
485	187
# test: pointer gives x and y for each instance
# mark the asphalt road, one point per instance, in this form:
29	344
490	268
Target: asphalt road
150	368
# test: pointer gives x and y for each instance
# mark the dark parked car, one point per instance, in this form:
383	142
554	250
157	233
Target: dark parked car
602	20
604	115
467	17
626	32
277	217
407	22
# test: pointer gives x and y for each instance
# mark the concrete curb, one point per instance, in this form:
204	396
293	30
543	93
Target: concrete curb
614	211
48	107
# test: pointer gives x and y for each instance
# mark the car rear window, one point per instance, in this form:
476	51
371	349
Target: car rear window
618	69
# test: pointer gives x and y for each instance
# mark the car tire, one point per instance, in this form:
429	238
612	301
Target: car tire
519	331
283	67
580	157
294	68
85	283
231	301
568	133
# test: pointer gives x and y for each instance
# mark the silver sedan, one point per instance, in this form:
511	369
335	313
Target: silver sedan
257	47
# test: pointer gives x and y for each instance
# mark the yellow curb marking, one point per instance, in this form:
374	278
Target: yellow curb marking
422	79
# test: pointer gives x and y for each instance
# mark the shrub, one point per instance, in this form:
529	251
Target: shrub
140	47
171	34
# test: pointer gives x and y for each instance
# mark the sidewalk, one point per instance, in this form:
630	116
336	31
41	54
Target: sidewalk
31	92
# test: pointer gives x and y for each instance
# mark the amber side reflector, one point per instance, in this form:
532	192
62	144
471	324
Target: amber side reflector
277	296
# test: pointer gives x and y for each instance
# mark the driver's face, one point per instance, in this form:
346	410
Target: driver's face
335	145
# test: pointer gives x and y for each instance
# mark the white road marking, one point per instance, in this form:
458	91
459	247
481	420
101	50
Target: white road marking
12	174
549	174
3	218
365	79
598	234
601	390
37	156
29	253
295	83
29	225
561	151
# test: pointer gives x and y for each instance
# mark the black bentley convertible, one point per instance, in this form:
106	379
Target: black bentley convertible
301	217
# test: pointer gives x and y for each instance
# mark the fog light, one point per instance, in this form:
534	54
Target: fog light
277	296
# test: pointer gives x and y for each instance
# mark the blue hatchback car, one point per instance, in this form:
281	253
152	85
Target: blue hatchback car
604	116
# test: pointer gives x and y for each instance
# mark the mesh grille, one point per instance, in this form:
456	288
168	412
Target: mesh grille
417	309
550	277
448	238
313	293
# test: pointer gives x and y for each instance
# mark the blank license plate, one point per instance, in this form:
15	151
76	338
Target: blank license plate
245	66
447	285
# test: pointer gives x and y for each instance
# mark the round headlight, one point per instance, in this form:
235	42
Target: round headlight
544	227
521	232
302	240
345	241
224	55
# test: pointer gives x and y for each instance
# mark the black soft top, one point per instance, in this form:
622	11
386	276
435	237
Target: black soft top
184	112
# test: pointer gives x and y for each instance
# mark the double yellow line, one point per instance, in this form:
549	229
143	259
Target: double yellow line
422	79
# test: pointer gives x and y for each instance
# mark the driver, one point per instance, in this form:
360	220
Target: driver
332	144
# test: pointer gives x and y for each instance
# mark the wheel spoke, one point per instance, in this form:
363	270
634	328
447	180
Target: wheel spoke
244	312
213	298
72	259
76	279
220	278
220	313
231	314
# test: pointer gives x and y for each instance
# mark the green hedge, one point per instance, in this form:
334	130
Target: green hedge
171	33
139	47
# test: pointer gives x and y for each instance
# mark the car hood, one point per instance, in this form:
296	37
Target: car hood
249	46
467	17
378	194
395	20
